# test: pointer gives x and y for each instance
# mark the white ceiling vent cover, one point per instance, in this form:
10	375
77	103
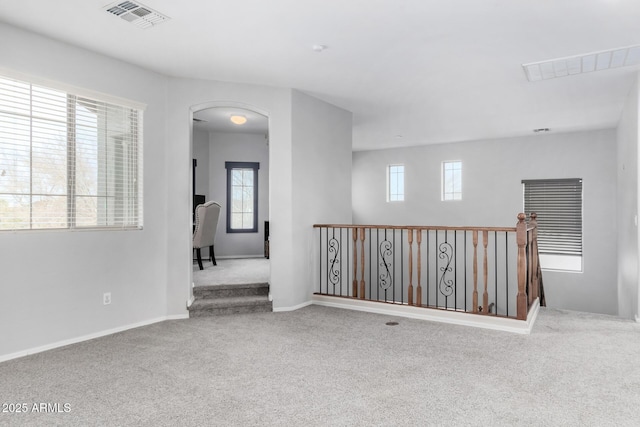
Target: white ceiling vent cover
136	13
585	63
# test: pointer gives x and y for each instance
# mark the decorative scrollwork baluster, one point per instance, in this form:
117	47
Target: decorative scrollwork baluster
385	279
445	284
334	272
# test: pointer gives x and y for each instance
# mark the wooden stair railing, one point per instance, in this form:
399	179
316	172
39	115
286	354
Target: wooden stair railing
366	260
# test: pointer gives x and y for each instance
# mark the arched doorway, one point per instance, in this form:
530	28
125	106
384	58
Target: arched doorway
231	166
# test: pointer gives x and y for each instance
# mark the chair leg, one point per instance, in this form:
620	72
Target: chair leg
212	255
199	255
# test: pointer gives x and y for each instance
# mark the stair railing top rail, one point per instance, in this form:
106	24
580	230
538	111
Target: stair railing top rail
418	227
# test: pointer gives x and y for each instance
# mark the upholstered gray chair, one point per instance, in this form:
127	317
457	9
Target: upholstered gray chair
204	234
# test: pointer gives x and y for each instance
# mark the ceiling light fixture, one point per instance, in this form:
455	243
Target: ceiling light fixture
319	47
585	63
238	119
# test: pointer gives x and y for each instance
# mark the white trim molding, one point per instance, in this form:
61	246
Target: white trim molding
294	308
444	316
76	340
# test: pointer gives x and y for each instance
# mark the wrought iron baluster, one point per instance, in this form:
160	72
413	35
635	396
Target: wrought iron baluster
495	255
475	272
446	284
506	257
385	252
326	236
335	270
485	268
455	269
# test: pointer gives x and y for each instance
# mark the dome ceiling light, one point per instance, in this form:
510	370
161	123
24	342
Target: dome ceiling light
238	119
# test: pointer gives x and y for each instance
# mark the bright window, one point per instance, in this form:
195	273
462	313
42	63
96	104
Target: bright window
395	183
558	205
242	197
452	180
67	161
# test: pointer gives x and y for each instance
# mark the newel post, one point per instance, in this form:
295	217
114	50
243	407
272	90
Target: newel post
535	287
521	240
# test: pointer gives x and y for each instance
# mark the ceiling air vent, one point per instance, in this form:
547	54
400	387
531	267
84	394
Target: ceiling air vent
136	13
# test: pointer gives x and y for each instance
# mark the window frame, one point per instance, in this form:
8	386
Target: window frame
444	180
230	166
76	97
399	196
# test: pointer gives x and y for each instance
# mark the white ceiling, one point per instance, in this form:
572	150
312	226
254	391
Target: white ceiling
412	71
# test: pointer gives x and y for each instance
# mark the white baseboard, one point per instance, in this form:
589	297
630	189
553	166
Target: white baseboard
239	256
16	355
294	308
444	316
177	317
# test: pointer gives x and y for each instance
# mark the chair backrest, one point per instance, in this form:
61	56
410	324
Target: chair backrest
207	216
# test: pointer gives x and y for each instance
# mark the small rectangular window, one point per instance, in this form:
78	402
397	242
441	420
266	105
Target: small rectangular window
452	180
395	183
242	197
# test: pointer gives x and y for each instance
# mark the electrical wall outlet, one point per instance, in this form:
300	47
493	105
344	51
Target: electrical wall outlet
106	298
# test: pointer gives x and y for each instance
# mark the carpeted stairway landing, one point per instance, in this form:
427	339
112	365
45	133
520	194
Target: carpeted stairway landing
215	300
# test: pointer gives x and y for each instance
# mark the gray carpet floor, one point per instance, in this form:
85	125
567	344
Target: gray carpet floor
321	366
232	272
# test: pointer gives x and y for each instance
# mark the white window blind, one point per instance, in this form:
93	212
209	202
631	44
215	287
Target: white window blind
558	204
67	161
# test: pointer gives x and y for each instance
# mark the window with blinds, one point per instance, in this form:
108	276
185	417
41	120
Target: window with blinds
242	197
67	161
558	204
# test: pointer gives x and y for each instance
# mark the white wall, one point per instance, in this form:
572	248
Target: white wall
321	130
492	196
627	205
201	154
186	96
238	147
321	136
52	282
